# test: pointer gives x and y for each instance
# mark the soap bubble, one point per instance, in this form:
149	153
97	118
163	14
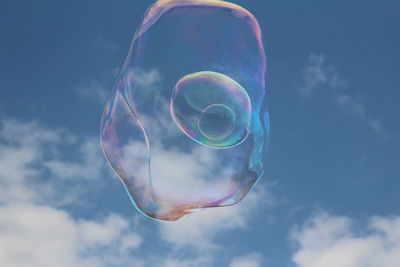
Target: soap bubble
212	109
186	125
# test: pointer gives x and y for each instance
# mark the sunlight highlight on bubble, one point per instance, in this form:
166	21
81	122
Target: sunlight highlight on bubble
186	125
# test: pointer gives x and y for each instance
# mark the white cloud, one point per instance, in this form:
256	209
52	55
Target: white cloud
30	133
34	164
106	44
189	176
22	147
334	241
93	90
348	103
199	230
37	236
181	175
144	80
185	175
89	166
317	74
34	232
196	262
251	260
38	174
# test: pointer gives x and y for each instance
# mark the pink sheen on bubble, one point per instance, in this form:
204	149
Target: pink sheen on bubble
186	125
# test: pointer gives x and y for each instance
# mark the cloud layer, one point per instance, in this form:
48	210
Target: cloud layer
335	241
35	179
319	75
43	171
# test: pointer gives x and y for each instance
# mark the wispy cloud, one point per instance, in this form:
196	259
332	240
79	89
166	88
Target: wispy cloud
38	235
250	260
144	80
198	234
93	91
172	261
185	176
184	173
199	231
351	105
22	147
38	177
106	44
30	151
318	74
36	232
88	164
190	175
332	241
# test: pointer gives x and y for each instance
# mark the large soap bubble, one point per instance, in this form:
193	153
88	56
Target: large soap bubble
186	125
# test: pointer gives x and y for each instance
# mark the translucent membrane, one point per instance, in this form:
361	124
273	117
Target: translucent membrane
212	109
186	125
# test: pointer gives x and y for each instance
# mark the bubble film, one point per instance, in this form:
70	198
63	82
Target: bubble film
186	125
212	109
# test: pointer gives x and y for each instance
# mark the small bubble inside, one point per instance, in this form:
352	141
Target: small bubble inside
217	121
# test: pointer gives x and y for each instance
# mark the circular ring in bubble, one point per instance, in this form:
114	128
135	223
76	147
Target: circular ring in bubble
212	109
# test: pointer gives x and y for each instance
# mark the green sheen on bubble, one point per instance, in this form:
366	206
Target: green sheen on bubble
186	125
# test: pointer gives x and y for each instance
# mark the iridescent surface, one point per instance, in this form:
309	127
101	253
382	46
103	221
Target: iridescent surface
212	109
186	125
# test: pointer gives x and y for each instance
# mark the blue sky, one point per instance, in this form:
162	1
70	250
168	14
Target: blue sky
329	196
